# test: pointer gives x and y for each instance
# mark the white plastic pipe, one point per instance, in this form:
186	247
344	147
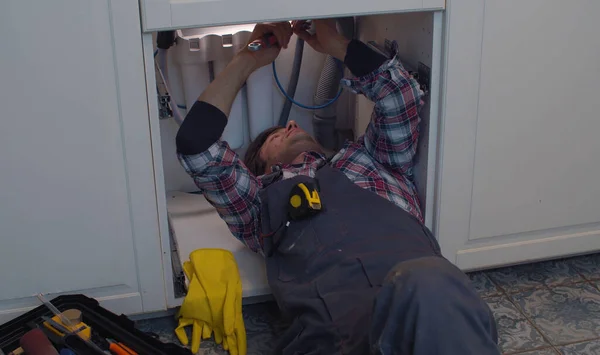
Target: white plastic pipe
220	56
211	47
239	41
175	82
234	131
260	100
259	89
194	73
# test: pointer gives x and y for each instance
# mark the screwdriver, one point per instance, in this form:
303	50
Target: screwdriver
120	348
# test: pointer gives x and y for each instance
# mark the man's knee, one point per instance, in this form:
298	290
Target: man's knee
426	277
419	295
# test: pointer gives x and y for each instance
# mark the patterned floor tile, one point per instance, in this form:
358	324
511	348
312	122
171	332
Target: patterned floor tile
484	285
263	325
587	265
260	320
211	348
161	327
564	314
522	277
587	348
546	351
262	317
515	332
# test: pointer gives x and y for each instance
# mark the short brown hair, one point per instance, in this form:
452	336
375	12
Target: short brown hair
252	157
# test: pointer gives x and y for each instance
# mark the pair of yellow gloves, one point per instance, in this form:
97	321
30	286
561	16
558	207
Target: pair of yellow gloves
214	301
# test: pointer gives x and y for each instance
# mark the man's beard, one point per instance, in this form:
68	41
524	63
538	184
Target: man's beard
298	144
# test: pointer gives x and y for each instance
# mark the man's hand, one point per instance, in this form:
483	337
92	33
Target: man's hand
264	56
222	91
326	39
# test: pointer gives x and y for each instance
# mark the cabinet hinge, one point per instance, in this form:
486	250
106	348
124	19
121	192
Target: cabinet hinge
164	107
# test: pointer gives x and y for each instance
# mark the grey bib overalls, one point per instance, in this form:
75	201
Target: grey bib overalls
327	271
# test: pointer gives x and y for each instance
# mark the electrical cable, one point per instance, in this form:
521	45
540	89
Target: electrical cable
160	61
302	105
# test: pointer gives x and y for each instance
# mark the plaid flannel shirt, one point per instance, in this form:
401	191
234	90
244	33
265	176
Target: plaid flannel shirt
379	161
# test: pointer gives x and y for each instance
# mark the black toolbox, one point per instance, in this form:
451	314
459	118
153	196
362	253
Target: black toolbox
104	323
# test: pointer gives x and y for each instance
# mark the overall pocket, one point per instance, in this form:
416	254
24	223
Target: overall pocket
344	288
297	244
348	297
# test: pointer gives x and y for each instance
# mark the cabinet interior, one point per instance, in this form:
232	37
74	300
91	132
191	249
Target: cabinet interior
192	222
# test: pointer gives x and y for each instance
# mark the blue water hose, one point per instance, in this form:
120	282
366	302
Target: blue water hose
302	105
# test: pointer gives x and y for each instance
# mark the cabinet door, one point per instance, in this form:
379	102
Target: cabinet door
520	168
165	14
78	211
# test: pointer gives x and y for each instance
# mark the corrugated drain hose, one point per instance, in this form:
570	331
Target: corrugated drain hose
291	91
324	119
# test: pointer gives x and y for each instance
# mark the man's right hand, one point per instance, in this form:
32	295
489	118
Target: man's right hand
223	90
326	38
264	56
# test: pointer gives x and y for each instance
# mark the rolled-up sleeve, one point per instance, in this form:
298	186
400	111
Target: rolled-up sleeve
220	175
392	135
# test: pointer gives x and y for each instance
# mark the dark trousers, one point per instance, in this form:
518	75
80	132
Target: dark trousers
427	306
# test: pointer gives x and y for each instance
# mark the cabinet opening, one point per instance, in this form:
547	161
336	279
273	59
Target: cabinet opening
199	54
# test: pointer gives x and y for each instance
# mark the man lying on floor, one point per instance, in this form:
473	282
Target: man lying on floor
361	275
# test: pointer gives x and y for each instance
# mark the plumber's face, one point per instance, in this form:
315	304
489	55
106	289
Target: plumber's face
288	145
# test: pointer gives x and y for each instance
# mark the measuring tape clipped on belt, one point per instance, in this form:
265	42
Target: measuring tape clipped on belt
304	200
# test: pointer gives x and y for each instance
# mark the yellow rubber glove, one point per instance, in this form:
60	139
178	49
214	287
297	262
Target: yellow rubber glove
214	301
194	311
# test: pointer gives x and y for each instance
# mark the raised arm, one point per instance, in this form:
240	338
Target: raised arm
204	124
391	137
216	169
393	132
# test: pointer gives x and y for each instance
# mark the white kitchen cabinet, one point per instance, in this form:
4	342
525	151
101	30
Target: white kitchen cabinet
86	163
506	167
519	164
78	211
167	14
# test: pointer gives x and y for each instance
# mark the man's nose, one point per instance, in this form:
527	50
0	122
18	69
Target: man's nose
291	125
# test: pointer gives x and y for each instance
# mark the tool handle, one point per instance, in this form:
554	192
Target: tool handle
35	342
121	349
54	310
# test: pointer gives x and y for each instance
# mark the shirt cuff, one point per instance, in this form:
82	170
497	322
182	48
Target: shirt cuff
202	127
361	59
391	71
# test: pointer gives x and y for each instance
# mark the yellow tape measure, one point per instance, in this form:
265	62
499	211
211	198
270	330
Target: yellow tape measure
304	200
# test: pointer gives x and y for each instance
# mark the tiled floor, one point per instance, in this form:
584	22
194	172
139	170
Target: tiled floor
552	307
545	308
